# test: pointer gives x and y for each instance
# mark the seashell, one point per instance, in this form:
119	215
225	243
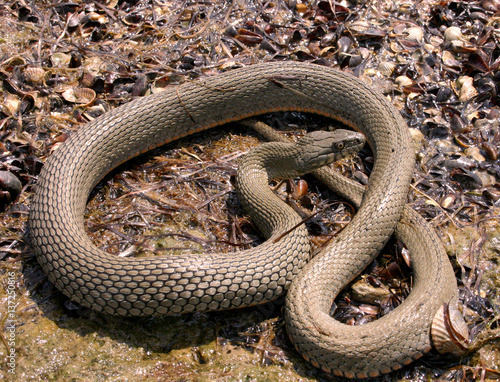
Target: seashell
463	140
449	60
34	74
453	34
491	5
96	17
248	37
429	48
457	124
386	68
15	61
436	41
355	60
395	48
11	105
492	193
448	331
60	60
364	30
83	96
490	149
344	44
415	34
444	93
403	81
461	46
314	48
327	39
467	89
266	45
447	201
75	19
10	188
133	19
406	8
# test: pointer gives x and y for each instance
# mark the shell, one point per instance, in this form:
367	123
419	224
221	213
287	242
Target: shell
449	59
415	34
447	201
11	105
34	74
403	81
453	34
79	95
467	89
386	68
449	332
60	60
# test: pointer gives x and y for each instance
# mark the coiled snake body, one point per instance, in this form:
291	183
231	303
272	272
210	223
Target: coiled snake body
145	286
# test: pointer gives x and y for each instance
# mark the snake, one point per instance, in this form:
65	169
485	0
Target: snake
142	286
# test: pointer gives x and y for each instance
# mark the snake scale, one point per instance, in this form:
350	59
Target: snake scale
163	285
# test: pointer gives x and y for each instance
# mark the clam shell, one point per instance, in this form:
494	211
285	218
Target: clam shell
415	34
453	34
403	81
83	96
386	68
11	105
467	89
60	60
34	74
448	331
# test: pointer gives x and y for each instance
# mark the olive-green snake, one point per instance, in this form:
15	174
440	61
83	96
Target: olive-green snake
163	285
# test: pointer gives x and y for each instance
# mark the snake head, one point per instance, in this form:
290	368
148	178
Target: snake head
320	148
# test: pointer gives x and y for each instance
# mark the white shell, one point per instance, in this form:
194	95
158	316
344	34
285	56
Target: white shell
415	34
403	81
467	89
453	33
60	60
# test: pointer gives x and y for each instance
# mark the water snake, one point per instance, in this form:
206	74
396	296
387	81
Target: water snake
160	285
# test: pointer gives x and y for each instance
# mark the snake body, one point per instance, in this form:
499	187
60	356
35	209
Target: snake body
163	285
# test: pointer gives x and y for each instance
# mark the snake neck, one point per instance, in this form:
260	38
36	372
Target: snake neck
268	211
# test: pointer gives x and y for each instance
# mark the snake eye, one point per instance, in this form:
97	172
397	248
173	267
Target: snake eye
339	145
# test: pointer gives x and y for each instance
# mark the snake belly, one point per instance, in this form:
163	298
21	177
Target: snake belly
163	285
